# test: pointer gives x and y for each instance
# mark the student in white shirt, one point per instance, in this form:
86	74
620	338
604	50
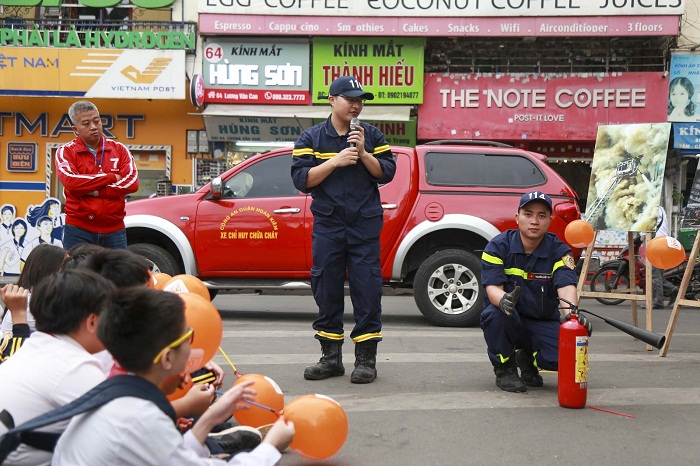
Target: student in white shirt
146	332
56	365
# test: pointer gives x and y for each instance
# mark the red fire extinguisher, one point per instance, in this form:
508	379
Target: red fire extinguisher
573	363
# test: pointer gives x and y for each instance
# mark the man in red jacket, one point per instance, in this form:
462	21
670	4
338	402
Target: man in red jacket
96	174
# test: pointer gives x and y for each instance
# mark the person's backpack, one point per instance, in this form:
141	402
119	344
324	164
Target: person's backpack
114	387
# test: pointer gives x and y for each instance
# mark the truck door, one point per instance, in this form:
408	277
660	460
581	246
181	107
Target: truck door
256	229
396	200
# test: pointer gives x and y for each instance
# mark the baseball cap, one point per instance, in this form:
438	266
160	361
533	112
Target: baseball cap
535	196
349	86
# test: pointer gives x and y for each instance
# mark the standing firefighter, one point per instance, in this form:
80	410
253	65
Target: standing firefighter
341	162
524	271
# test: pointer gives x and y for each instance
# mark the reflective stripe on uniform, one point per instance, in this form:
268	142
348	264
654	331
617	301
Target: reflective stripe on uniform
517	272
380	149
514	270
486	257
557	265
367	336
307	151
331	336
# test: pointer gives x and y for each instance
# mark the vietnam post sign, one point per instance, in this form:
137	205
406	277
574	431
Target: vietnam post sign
389	67
251	71
107	73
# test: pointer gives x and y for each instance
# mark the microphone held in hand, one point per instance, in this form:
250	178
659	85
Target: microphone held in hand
354	123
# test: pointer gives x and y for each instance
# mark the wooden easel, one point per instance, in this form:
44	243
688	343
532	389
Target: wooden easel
680	299
628	294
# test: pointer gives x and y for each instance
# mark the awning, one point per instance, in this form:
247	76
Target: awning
369	112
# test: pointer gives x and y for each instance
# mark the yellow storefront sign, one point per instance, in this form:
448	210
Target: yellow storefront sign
107	73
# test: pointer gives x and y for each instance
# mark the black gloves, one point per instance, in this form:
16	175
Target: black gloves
581	320
507	303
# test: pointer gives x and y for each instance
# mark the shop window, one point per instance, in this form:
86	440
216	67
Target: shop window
151	163
206	169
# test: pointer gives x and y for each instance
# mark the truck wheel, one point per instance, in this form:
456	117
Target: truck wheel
160	258
448	290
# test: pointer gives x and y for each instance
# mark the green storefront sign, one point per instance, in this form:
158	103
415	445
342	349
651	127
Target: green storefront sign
389	67
163	40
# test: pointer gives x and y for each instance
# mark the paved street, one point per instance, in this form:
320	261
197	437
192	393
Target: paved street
435	401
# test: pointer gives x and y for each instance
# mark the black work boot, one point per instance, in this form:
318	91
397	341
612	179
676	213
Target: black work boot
507	376
528	371
365	362
330	364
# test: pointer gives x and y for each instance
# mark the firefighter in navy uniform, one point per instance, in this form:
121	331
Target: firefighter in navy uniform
342	169
524	271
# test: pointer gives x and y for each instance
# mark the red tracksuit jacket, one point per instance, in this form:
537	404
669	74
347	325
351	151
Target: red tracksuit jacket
81	175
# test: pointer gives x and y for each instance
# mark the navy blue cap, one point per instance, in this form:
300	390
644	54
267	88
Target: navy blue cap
349	86
535	196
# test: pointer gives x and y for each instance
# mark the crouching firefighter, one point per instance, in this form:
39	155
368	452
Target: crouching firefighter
524	272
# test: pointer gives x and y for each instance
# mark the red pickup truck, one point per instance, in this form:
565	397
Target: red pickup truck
251	229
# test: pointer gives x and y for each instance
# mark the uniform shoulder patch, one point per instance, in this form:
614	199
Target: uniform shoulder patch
568	261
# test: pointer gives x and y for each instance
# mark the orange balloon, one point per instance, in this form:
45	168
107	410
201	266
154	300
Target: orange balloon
182	389
665	252
159	280
321	426
187	284
579	233
202	316
269	394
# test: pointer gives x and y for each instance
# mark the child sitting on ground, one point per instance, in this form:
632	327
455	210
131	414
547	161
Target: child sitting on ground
18	322
146	332
56	365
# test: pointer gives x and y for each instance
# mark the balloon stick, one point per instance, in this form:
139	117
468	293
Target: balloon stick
235	371
219	392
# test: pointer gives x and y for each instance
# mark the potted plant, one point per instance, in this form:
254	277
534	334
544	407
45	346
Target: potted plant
677	198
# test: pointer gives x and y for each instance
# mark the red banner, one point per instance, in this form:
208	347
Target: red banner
539	107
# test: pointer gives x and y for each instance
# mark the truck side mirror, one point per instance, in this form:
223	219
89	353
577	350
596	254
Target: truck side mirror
215	187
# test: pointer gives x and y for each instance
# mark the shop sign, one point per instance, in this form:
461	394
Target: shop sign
543	107
243	72
686	136
94	39
391	68
443	8
683	87
197	90
21	156
459	26
44	125
122	74
229	129
396	133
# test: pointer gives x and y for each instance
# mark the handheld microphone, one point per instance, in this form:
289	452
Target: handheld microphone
354	123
